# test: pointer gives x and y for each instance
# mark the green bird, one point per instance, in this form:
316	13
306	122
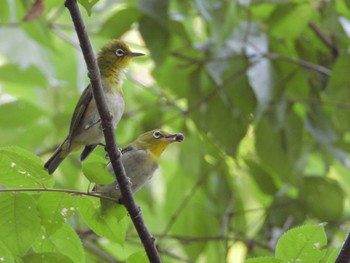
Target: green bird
140	160
85	126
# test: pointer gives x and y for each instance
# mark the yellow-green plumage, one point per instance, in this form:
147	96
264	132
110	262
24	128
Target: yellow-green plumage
85	127
140	160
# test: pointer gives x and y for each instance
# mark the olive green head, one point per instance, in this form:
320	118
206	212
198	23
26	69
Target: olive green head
156	141
114	57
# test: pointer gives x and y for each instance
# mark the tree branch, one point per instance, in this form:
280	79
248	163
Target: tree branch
108	130
344	254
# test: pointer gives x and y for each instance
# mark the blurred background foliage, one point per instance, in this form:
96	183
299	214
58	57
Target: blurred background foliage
259	88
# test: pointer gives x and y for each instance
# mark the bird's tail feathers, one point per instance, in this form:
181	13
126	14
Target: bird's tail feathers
59	155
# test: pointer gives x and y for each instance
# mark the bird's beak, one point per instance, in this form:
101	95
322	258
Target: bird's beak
177	137
135	54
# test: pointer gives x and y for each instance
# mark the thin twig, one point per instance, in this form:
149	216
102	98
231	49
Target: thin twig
108	130
327	41
67	191
64	36
299	62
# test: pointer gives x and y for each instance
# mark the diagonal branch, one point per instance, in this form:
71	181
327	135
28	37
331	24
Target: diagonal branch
108	130
344	254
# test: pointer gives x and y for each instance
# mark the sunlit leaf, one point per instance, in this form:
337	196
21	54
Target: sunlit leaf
139	257
88	5
65	241
54	210
305	243
19	214
95	169
25	124
46	258
20	168
264	260
107	220
6	254
283	14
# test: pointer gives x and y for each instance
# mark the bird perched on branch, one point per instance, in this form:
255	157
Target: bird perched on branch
140	160
85	127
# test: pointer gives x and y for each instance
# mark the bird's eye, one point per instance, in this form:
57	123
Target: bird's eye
157	134
119	52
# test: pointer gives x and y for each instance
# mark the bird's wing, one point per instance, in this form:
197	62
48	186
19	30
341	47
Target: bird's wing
79	113
127	148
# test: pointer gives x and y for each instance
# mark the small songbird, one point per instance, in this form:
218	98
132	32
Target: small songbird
85	126
140	160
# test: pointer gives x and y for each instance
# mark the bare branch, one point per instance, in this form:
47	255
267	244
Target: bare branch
108	130
344	254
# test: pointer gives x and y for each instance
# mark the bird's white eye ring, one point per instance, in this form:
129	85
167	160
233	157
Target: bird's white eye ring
119	52
157	134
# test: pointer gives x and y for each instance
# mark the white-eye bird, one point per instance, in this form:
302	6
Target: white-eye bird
85	126
140	160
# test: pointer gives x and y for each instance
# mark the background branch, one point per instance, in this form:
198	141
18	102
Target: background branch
108	130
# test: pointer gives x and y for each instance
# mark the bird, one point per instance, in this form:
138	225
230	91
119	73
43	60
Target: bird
85	127
140	160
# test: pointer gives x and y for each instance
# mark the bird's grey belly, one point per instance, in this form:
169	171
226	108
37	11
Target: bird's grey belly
137	167
90	130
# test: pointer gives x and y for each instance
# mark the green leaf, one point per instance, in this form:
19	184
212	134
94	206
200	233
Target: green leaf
263	179
24	124
109	222
138	257
264	260
156	38
4	14
338	92
322	198
39	30
30	75
95	169
15	53
55	209
188	224
269	146
113	28
66	241
302	244
20	168
5	254
165	76
157	10
88	5
19	214
18	114
46	258
220	15
281	208
279	20
333	255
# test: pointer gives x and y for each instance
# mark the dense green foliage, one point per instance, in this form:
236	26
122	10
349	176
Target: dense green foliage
259	88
